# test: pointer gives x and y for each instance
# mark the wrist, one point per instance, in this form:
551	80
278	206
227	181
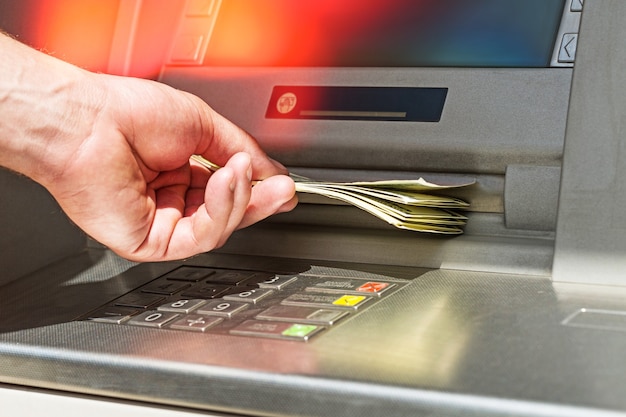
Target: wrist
46	106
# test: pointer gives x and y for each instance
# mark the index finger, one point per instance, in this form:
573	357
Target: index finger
228	139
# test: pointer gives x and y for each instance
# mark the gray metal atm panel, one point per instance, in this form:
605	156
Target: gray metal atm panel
449	343
591	232
492	129
34	232
492	117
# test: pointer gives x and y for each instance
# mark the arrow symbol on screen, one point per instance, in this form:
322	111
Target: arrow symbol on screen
570	47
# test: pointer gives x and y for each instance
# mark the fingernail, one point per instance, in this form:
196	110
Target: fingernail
249	172
232	184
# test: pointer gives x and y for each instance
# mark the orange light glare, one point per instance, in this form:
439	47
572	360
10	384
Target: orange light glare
283	32
79	32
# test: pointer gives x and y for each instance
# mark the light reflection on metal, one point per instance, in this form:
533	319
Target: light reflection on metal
433	344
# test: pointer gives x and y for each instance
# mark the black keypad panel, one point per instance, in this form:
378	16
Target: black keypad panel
244	303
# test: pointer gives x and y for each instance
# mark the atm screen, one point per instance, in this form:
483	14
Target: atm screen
389	33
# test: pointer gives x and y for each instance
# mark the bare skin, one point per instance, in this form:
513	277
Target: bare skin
114	152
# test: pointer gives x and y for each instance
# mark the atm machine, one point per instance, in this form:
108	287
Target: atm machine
524	314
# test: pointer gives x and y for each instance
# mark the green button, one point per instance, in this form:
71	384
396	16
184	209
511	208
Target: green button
299	330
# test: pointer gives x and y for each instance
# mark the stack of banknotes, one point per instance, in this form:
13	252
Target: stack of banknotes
405	204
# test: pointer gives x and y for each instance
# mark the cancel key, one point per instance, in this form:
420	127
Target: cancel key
345	301
343	286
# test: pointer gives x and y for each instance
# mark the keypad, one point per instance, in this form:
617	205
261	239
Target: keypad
244	303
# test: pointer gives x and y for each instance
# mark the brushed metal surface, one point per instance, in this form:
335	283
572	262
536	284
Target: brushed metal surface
448	343
491	117
590	240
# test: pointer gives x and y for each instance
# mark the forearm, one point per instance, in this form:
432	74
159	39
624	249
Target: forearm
42	102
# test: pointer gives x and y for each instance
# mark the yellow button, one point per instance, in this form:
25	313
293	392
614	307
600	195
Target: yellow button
349	300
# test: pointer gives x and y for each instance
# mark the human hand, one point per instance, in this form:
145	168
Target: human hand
129	183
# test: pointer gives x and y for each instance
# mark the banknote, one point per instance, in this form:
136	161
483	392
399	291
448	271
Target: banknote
404	216
404	203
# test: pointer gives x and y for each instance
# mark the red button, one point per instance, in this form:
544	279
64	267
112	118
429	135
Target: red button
373	287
